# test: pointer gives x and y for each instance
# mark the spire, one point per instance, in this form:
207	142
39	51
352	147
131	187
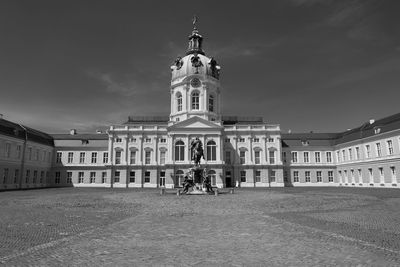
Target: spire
195	40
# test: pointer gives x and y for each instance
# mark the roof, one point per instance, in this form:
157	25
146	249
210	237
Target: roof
368	129
16	130
312	139
147	120
85	136
230	120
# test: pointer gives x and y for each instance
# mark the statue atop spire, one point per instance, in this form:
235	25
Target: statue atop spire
195	39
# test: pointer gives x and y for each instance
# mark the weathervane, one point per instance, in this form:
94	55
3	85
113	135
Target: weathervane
194	21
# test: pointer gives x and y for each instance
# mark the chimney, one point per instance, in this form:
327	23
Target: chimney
72	132
371	121
99	132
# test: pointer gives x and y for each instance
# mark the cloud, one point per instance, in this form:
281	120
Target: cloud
241	49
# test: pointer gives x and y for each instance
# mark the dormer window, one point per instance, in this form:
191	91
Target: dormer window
377	130
85	142
118	140
147	140
305	142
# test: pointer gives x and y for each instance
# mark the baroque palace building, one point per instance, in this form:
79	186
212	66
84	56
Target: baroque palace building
239	151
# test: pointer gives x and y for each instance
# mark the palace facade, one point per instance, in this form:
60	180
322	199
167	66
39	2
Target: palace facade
239	151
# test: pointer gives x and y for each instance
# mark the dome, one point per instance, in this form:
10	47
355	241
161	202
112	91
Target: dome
195	64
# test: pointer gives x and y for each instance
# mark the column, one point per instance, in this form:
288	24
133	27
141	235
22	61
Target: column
156	150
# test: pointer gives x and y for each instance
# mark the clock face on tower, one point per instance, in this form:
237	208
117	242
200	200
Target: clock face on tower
195	82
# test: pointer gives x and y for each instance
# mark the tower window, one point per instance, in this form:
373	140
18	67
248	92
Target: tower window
195	101
211	103
179	102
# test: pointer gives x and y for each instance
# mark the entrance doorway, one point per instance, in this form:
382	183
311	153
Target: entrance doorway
228	179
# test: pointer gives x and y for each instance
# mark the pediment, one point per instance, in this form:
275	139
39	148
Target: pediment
195	123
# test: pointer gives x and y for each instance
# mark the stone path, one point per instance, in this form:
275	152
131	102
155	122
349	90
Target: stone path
301	227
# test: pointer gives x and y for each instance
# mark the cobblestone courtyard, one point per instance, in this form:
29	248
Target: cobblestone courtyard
287	226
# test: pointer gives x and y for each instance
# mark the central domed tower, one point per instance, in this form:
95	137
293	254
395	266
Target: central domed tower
195	86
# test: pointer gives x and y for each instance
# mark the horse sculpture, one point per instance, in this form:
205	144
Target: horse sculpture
197	151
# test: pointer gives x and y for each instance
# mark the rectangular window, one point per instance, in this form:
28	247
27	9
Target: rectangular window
81	177
344	155
147	157
284	157
133	157
118	157
162	157
227	157
163	140
272	176
371	176
94	157
306	157
227	140
147	177
272	157
258	176
30	154
257	157
116	176
256	140
295	176
70	157
360	179
35	174
242	156
118	140
41	177
58	177
132	176
330	176
82	157
378	150
350	154
390	147
242	176
7	151
393	174
270	140
104	177
92	177
329	157
69	177
162	179
381	176
357	155
338	156
319	176
58	157
294	157
18	151
307	174
147	140
241	140
367	151
5	175
16	175
317	157
105	157
27	176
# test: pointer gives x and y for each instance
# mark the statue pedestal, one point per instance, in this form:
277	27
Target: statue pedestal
201	185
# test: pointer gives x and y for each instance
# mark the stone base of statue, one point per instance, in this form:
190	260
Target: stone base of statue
196	182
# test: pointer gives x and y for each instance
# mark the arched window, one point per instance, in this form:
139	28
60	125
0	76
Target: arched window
213	177
195	101
179	102
180	151
211	103
211	151
179	176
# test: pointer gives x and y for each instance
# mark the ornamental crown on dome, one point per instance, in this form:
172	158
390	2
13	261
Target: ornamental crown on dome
195	61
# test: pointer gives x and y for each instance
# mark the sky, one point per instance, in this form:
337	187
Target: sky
308	65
